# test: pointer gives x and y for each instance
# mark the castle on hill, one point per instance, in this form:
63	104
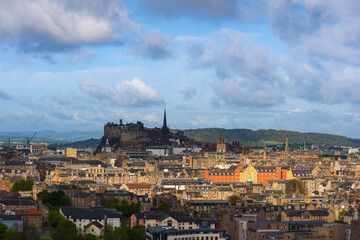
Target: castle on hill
135	136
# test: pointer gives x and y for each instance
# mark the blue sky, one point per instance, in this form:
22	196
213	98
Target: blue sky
75	65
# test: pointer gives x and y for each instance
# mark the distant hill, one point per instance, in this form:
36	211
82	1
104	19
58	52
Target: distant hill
272	137
50	136
89	143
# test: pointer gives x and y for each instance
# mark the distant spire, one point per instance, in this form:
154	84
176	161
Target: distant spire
164	132
164	123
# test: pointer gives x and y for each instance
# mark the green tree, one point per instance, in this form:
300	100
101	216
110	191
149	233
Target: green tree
54	218
55	199
46	237
124	233
90	236
139	232
203	214
125	207
22	185
278	218
3	229
66	229
295	186
342	215
164	206
234	198
13	235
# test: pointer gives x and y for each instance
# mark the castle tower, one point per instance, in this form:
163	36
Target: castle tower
164	132
221	144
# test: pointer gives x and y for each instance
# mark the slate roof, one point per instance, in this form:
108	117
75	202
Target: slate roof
19	201
98	213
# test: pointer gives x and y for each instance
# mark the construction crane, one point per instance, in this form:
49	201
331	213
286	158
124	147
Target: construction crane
29	140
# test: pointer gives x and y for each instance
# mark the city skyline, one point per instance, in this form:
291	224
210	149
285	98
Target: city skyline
287	65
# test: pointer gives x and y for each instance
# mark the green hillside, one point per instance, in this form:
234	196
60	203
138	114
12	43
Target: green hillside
272	137
89	143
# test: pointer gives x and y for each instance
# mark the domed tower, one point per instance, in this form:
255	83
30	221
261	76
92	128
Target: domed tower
221	144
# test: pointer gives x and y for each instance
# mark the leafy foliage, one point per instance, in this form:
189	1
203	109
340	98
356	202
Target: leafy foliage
342	215
46	237
3	229
56	199
125	207
66	229
22	185
234	198
201	214
164	207
90	236
295	186
9	234
125	233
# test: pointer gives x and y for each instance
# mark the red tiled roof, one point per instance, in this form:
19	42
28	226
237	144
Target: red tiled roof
31	211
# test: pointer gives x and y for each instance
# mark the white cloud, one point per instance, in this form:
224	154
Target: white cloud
133	93
44	25
296	110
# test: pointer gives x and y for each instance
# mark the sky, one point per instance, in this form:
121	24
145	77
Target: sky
282	64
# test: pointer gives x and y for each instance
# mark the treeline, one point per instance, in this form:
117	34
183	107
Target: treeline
271	136
89	143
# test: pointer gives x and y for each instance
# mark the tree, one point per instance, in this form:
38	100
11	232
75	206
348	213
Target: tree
66	229
90	236
201	214
46	237
13	235
295	186
139	232
234	198
164	206
342	215
278	218
22	185
55	199
54	218
3	229
125	207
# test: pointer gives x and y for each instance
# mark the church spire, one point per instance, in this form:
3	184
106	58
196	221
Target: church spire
164	132
164	123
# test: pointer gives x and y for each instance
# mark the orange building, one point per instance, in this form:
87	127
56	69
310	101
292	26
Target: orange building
5	185
266	173
231	174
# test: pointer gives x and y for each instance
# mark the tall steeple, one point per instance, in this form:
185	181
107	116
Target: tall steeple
164	123
164	132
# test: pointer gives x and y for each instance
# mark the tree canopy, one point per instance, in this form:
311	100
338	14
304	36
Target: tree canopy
22	185
125	207
295	186
55	199
164	207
